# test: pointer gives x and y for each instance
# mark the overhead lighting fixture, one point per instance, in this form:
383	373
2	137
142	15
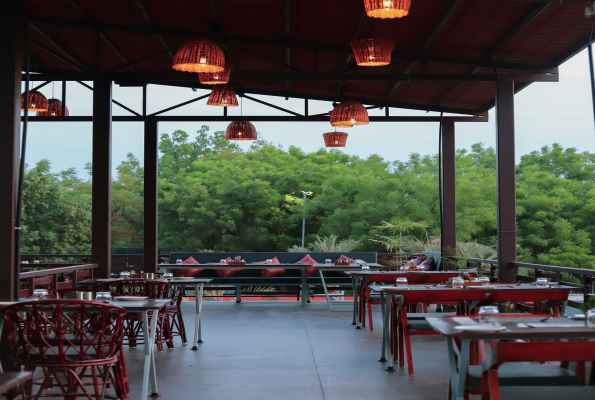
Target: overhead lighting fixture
223	96
387	8
349	113
54	109
200	55
37	101
241	130
216	78
372	52
335	139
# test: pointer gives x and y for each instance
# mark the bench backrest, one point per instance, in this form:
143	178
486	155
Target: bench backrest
284	257
437	258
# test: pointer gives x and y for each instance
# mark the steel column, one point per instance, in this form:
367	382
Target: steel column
506	180
449	196
150	196
11	30
101	247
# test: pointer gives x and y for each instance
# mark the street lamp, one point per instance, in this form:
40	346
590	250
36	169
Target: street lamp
306	193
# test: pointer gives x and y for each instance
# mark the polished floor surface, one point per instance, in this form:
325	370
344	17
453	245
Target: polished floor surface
278	350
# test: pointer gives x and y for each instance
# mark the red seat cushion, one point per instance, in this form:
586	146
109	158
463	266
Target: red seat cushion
226	273
272	272
189	271
308	259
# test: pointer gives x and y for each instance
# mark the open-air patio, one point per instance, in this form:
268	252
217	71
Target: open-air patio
338	322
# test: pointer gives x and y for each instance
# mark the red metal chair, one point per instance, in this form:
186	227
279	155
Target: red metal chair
403	328
173	313
69	340
550	300
504	352
152	289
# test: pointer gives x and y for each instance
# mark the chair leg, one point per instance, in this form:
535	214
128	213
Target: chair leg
370	319
408	349
493	385
181	326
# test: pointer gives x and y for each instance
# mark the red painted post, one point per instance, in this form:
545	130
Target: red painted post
150	193
11	51
507	231
101	247
449	193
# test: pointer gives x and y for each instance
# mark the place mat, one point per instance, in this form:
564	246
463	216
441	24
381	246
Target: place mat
568	324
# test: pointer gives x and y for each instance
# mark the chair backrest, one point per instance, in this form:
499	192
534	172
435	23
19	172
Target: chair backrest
69	293
63	331
527	295
437	258
543	351
153	289
443	295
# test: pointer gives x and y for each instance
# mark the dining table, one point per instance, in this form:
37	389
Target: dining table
144	307
352	267
426	292
527	328
196	283
362	279
303	267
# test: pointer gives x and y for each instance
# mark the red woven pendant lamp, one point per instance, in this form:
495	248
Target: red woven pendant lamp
335	139
349	113
37	101
216	78
200	55
387	8
372	52
54	109
241	130
223	96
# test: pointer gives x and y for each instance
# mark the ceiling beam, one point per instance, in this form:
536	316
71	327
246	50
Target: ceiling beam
143	10
257	118
425	45
58	56
358	34
129	79
287	34
59	46
516	30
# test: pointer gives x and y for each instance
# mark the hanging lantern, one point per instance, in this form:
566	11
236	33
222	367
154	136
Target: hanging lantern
335	139
54	109
200	55
224	96
216	78
372	52
348	114
387	8
37	101
241	130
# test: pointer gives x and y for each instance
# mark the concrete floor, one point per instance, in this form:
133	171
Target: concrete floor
278	350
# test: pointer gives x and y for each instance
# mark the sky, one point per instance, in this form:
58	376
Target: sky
545	113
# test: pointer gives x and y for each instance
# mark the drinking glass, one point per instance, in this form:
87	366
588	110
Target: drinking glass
36	261
402	282
457	283
475	280
484	280
124	275
40	294
365	267
488	315
590	318
103	297
359	261
269	261
328	261
168	276
404	268
178	261
541	282
24	262
224	261
149	275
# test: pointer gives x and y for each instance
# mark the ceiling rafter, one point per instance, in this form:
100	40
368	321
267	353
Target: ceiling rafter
425	45
59	46
358	34
143	10
287	34
516	30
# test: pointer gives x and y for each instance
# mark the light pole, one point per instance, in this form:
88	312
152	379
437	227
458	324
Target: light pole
306	193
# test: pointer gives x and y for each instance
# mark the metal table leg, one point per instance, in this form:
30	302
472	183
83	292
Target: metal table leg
354	286
305	287
328	299
458	373
387	334
384	332
149	372
198	289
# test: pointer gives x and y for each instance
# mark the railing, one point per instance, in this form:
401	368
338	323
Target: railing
586	277
82	259
54	278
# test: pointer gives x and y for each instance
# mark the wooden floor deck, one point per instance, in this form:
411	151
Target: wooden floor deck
278	350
